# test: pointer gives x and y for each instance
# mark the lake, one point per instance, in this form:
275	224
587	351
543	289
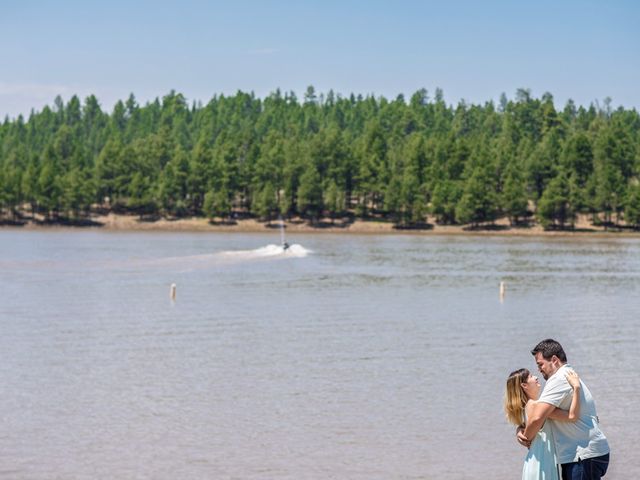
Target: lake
347	357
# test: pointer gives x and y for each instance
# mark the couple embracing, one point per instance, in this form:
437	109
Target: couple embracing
559	425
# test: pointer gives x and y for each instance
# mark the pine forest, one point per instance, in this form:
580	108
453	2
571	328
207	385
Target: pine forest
325	157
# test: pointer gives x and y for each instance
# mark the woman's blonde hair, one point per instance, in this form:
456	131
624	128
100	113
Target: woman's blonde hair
514	396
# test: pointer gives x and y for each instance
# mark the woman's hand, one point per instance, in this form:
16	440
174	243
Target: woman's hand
573	379
574	410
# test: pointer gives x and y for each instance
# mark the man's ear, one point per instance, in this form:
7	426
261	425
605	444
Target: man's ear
555	360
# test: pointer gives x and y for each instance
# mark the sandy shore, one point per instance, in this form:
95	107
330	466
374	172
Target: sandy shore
133	223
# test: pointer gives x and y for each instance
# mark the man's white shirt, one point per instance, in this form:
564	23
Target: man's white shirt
574	440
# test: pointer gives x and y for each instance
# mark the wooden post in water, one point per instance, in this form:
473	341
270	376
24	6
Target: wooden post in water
172	291
502	291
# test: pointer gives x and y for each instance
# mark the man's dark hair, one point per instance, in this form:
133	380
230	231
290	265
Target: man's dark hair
548	348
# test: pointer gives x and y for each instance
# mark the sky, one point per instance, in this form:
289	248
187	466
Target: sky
473	50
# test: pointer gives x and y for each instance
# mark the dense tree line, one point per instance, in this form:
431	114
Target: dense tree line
325	156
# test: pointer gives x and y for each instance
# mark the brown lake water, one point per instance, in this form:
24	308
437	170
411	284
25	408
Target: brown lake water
347	357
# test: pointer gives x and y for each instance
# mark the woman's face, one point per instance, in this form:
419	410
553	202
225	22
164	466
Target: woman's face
532	387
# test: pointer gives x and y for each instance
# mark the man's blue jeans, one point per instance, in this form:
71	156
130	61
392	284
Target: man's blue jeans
587	469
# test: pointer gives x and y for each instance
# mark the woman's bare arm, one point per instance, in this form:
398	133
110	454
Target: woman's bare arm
574	410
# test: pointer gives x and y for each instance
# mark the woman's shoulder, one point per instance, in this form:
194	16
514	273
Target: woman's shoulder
529	406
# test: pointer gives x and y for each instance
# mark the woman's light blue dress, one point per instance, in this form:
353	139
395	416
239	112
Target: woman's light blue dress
541	462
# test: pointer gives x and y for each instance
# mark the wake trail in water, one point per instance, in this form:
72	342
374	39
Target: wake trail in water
274	251
229	257
178	263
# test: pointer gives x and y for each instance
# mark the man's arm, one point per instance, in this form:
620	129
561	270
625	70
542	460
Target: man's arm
520	437
539	414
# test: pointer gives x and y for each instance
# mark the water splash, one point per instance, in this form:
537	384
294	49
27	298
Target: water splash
273	251
198	262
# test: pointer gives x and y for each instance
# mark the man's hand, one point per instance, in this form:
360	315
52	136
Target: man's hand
522	440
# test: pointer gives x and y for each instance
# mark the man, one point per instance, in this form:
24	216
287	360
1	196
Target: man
581	447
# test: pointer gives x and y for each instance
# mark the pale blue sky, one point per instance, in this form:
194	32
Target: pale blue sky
474	50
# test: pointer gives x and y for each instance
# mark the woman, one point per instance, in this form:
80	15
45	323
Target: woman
523	390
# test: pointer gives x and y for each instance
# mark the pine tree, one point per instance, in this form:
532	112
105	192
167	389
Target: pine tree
557	206
310	193
334	200
514	197
632	206
479	203
446	195
49	190
265	202
216	204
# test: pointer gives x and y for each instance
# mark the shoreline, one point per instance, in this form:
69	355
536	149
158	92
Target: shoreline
124	223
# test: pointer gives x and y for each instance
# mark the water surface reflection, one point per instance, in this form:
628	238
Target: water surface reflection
368	357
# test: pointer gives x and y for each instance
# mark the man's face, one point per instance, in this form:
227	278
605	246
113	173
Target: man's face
546	367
